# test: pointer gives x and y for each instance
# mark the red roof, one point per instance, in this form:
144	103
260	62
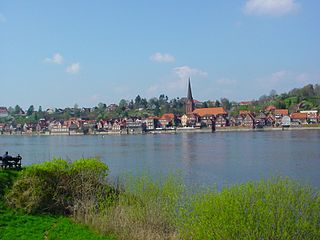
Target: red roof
209	111
167	116
298	115
284	112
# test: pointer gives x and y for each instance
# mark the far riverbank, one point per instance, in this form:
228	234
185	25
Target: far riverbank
165	131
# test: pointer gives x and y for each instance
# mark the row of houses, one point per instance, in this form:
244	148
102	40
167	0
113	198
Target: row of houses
198	118
274	118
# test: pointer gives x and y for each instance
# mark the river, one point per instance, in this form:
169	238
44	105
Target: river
202	158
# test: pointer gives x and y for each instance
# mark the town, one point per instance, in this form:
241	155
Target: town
154	116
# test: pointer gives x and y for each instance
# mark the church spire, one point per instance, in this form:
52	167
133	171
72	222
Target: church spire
189	97
189	102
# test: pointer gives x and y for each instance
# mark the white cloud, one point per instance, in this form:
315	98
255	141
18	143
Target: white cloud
2	18
56	59
185	72
159	57
270	7
74	68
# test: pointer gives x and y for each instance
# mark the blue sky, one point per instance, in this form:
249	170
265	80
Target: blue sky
58	53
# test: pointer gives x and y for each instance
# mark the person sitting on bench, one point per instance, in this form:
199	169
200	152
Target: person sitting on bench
6	156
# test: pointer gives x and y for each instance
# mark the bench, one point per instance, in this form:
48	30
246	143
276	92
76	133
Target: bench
10	162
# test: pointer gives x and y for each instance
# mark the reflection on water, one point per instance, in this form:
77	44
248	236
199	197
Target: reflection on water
204	159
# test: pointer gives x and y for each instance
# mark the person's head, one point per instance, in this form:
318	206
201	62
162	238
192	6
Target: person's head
6	152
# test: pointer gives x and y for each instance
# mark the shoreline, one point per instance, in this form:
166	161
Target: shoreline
170	131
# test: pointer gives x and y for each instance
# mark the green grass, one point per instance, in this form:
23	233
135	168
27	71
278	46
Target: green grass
7	177
19	225
15	225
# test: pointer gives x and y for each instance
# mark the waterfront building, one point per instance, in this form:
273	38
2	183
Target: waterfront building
151	123
298	118
279	114
167	120
249	121
4	112
135	126
202	116
312	115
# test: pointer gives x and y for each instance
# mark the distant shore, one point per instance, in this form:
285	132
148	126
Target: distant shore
167	131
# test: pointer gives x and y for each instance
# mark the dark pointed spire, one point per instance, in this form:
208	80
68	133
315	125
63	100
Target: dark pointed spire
189	96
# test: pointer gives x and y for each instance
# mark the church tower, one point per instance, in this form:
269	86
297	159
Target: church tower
189	102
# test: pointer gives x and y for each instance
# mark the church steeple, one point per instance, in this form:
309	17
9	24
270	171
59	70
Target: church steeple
189	97
189	102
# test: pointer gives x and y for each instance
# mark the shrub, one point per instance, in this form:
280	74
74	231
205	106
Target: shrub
274	209
59	187
147	209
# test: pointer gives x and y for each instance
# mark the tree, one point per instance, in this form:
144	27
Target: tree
137	101
317	90
131	104
17	109
217	103
30	110
102	106
143	103
225	103
205	105
11	110
40	109
273	93
123	104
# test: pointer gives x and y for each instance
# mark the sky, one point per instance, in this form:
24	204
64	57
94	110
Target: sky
61	53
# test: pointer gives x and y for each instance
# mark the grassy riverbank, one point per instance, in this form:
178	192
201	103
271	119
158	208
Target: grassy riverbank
17	224
144	209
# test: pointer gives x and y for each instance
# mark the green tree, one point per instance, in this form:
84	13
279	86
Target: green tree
17	109
102	106
217	104
225	103
123	104
30	110
137	101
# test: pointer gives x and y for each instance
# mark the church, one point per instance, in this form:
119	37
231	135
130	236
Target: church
202	116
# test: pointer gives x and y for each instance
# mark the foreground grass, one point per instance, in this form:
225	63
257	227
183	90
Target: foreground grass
277	208
15	225
19	225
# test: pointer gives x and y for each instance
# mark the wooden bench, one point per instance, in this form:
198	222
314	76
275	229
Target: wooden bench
10	162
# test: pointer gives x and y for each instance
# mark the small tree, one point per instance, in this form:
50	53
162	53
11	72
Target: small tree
30	110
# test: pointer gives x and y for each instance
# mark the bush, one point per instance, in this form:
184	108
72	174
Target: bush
59	187
274	209
146	209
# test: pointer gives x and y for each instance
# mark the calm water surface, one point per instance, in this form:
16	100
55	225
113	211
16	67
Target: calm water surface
203	158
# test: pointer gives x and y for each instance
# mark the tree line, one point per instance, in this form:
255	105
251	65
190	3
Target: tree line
305	98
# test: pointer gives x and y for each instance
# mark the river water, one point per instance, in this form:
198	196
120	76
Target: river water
202	158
